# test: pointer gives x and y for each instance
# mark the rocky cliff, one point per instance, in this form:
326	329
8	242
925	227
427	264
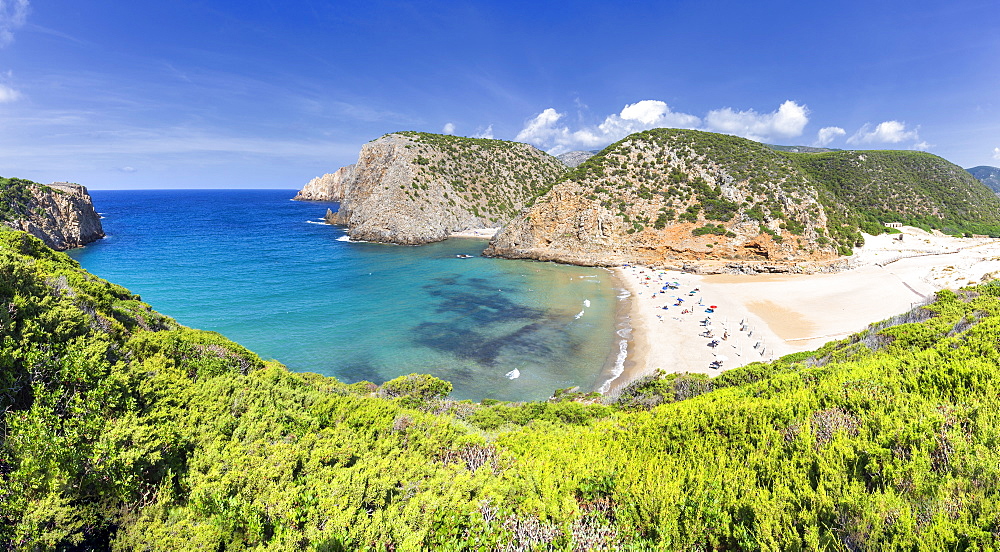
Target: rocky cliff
573	159
413	188
329	187
672	197
61	214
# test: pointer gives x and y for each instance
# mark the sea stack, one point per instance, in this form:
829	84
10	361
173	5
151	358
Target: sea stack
329	187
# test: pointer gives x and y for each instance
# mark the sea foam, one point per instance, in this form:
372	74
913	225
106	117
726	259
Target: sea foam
619	369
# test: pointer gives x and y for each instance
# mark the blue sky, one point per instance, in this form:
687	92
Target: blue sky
267	94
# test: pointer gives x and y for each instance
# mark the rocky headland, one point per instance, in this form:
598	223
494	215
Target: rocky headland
329	187
718	203
60	214
412	188
670	198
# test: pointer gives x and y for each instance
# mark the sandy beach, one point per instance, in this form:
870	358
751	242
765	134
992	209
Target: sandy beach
484	233
710	323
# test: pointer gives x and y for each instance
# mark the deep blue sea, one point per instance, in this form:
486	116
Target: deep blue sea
262	270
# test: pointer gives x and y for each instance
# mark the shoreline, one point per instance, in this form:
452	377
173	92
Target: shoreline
620	362
761	317
479	233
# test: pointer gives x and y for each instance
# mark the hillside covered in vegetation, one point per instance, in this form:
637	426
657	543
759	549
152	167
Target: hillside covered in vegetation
915	188
667	196
416	187
122	429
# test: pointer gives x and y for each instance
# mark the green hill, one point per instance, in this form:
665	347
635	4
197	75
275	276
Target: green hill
669	196
912	187
122	429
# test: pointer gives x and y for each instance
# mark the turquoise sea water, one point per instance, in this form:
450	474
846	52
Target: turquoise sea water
258	268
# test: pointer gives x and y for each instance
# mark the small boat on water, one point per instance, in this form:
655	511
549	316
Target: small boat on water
463	256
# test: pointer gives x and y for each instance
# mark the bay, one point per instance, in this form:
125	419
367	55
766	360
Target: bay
263	271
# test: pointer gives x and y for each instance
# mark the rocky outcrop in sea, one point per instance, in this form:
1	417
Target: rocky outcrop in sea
329	187
61	214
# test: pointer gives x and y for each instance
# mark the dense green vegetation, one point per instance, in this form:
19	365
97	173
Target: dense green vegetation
915	188
122	429
15	198
492	179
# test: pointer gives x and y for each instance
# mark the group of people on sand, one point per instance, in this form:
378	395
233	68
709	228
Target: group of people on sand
672	295
664	287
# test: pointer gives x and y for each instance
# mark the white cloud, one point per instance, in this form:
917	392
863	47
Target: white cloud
486	133
787	122
449	128
887	132
543	130
922	146
8	94
128	169
827	135
996	153
644	115
547	130
13	14
540	128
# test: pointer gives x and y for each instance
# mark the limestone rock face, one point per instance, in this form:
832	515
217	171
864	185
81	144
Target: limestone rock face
669	198
62	215
329	187
412	188
573	159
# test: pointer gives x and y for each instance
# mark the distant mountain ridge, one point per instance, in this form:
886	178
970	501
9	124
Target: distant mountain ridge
801	149
573	159
987	175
